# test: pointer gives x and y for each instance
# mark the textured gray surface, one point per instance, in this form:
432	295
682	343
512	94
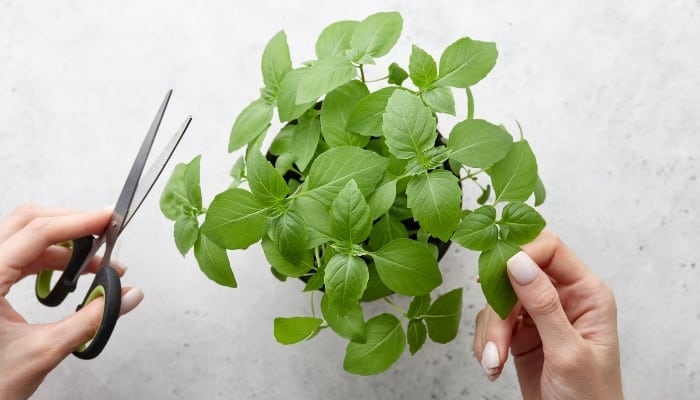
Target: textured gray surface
607	93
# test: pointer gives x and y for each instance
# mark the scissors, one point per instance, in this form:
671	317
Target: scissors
106	282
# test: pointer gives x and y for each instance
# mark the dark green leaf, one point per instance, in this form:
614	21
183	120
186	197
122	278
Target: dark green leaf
335	39
186	231
478	230
436	201
520	223
250	123
376	35
415	335
419	306
276	61
422	68
485	193
440	99
444	315
213	261
514	178
346	280
235	219
396	74
384	345
350	325
465	62
407	267
282	265
494	278
315	282
478	143
283	141
540	192
264	180
375	288
385	230
318	227
287	108
408	125
325	75
367	116
296	329
335	112
288	232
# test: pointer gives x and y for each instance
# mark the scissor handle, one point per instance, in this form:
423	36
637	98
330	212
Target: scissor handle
52	297
106	284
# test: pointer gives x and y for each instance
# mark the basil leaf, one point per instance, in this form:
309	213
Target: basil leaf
407	267
237	172
444	315
520	223
396	74
345	279
478	230
385	230
318	227
288	232
416	334
213	261
439	99
276	61
422	68
381	200
325	75
436	201
235	219
466	62
335	112
494	278
478	143
186	231
419	306
350	218
250	123
367	116
182	196
296	329
540	192
376	35
408	126
384	345
306	137
287	107
350	325
283	266
194	192
514	178
335	39
264	180
375	287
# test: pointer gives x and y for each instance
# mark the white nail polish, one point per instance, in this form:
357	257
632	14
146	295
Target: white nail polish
490	360
130	300
522	268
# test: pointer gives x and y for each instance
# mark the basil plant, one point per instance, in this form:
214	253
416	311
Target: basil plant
357	190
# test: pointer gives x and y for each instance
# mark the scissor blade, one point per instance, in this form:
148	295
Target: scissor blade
132	180
150	178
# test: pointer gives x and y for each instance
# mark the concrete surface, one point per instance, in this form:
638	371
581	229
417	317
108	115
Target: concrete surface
607	93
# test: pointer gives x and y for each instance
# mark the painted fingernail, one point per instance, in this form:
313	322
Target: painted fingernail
522	268
490	361
130	300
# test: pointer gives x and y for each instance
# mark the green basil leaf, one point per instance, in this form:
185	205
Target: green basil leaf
296	329
350	219
408	125
514	178
520	223
419	306
283	141
428	161
315	282
287	107
540	192
325	75
396	74
345	279
235	219
478	230
237	172
466	62
367	116
318	227
383	346
335	39
350	325
288	232
422	68
213	261
276	61
381	200
494	277
250	123
186	231
306	137
485	194
444	315
194	192
175	201
478	143
375	287
376	35
436	201
416	334
439	99
264	180
407	267
385	230
283	266
332	170
335	112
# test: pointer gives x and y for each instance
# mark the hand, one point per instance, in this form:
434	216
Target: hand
29	352
563	331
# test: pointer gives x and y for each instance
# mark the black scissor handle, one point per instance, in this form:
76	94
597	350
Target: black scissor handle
52	297
106	284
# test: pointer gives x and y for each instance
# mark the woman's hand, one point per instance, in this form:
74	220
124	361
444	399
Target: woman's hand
562	333
28	239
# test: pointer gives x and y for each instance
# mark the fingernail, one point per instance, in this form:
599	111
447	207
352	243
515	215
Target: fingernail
130	300
490	360
522	268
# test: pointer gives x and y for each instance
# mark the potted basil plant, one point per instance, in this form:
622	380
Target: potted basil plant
358	194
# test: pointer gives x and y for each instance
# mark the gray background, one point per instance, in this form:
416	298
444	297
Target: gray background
607	93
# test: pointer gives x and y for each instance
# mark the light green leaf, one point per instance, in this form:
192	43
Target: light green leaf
440	99
315	281
235	219
325	75
186	231
419	306
350	219
444	315
514	178
407	267
375	287
335	39
288	231
366	117
540	192
173	201
494	278
264	180
478	230
466	62
306	137
276	61
520	223
381	200
335	112
478	143
194	192
237	172
436	201
396	74
428	161
332	170
384	345
296	329
250	123
376	35
422	68
385	230
350	325
416	334
287	107
346	279
213	261
283	142
408	125
282	265
318	227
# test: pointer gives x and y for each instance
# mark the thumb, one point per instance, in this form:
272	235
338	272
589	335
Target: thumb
540	299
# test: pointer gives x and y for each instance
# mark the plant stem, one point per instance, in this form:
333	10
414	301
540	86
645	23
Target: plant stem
313	308
362	73
378	79
470	104
395	306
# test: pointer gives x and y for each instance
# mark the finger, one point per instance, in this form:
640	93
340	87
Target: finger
557	260
492	338
540	299
24	213
57	257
